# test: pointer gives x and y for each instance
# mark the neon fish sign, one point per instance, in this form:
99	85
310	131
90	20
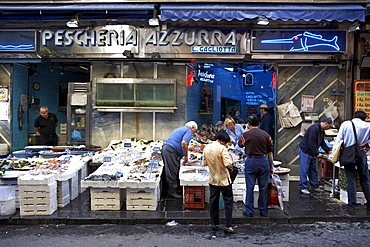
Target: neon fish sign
305	41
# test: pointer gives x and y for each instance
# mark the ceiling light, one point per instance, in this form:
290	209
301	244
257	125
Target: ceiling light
73	22
354	27
262	20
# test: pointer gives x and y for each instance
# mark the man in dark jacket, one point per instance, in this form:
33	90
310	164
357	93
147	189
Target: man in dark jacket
308	154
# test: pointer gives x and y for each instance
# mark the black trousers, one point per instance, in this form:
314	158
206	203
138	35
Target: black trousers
51	140
227	193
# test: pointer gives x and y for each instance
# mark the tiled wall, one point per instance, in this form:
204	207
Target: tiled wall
19	82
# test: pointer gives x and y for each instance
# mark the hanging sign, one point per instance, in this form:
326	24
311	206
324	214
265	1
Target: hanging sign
362	97
4	93
299	41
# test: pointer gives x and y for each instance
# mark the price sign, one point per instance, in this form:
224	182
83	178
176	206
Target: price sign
67	159
197	148
127	145
118	174
107	159
67	151
156	149
152	165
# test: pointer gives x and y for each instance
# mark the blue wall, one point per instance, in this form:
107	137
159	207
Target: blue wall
19	86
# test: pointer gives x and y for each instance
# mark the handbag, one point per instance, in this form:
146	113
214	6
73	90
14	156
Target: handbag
233	171
352	154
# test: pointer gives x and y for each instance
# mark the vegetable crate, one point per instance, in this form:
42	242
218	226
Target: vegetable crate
194	197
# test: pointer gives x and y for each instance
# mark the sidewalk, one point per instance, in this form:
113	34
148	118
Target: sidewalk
300	209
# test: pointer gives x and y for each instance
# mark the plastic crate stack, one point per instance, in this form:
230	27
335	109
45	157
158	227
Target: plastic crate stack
144	197
239	187
38	194
107	198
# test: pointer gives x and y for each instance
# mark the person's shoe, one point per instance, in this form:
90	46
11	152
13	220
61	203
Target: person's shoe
247	215
229	231
173	194
263	214
318	190
305	192
367	206
348	207
214	228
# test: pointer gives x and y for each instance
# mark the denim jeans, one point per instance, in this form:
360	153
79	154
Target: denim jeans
308	168
257	168
363	172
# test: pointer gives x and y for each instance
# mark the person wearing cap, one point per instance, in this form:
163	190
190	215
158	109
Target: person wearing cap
175	148
308	154
266	120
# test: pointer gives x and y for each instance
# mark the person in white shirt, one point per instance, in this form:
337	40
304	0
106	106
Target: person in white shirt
346	134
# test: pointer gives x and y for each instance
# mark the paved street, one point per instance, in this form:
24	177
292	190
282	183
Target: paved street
319	234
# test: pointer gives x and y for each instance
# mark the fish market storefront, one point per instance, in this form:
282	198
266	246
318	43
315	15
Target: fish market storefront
144	80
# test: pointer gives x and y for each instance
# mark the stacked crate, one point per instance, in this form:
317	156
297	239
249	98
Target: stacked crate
194	197
285	186
106	198
82	174
38	194
239	187
73	186
145	197
63	193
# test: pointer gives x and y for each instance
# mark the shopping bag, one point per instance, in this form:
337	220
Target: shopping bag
350	155
233	172
275	192
334	157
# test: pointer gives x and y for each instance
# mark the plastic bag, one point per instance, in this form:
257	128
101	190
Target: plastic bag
275	192
76	135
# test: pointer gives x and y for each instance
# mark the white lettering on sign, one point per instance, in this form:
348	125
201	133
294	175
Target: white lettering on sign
206	41
213	49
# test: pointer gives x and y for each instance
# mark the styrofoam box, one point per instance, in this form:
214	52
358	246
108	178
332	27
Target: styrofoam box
73	186
38	209
141	208
284	179
128	184
142	199
37	190
82	173
62	189
63	201
36	180
7	192
360	197
285	190
8	206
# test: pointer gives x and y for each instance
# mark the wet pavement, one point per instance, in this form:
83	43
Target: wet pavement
300	209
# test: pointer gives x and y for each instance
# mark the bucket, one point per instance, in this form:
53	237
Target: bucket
7	192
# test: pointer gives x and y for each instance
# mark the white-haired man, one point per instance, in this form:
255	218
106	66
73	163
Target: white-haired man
175	148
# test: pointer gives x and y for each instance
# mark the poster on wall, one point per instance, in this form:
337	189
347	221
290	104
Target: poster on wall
362	97
4	114
307	103
4	93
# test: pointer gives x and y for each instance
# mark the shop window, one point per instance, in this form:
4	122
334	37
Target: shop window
134	92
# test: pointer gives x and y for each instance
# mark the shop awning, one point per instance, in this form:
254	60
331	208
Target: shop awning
339	12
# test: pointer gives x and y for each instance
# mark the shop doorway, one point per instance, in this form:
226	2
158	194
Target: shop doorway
231	108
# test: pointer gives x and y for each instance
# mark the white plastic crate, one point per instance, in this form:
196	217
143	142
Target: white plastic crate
36	180
106	198
38	200
37	190
73	186
63	201
63	189
82	173
142	199
38	209
360	197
